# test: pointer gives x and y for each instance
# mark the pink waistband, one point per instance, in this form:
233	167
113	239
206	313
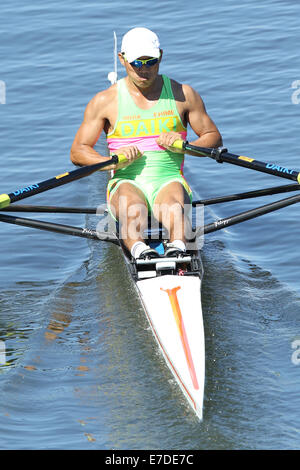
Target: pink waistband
144	144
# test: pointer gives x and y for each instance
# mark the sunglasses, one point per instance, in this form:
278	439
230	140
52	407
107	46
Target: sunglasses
138	63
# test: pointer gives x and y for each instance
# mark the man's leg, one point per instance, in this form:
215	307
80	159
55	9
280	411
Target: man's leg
169	208
130	208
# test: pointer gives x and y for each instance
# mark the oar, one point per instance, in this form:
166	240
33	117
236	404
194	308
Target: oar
247	195
251	214
60	228
222	155
59	180
54	209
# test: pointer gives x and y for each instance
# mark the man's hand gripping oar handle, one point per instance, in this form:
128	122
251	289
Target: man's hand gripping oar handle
59	180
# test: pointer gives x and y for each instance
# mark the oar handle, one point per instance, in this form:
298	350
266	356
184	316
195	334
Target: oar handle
214	153
59	180
179	144
119	159
4	200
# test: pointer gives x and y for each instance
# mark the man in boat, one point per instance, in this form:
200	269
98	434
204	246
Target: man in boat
142	115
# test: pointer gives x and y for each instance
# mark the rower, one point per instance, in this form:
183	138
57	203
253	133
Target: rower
142	115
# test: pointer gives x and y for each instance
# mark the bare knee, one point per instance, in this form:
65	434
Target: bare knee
130	209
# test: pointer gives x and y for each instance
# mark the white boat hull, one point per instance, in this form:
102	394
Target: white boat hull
172	304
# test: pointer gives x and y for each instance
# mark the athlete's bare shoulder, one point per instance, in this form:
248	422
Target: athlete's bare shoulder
185	94
187	99
177	89
102	104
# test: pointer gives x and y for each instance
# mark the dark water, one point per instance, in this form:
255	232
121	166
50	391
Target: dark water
82	369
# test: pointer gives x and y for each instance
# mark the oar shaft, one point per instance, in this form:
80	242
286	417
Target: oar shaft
270	168
221	155
59	180
59	228
53	209
248	195
251	214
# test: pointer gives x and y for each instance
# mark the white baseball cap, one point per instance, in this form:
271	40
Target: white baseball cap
139	42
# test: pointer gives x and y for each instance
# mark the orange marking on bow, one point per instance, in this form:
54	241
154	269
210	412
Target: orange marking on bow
172	293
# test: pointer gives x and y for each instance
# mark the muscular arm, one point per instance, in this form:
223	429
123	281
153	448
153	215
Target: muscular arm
100	114
193	112
82	150
199	120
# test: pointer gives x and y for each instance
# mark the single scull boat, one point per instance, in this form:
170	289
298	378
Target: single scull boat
170	292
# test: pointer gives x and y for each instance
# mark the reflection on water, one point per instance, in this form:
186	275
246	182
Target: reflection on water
20	317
